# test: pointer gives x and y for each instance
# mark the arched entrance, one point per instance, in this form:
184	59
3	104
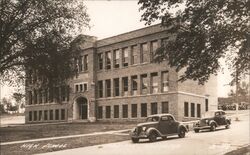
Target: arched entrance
81	111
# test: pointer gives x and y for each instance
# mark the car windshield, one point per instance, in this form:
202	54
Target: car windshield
153	119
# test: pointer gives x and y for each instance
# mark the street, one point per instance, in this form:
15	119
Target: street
206	143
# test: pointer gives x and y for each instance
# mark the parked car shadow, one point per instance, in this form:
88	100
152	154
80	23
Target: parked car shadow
143	141
217	130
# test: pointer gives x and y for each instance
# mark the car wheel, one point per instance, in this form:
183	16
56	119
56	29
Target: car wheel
164	137
182	133
196	130
152	137
213	127
227	125
135	140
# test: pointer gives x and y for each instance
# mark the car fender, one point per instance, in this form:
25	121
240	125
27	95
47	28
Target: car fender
182	126
149	130
212	121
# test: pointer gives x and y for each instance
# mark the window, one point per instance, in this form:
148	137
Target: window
40	114
154	108
116	58
125	86
186	109
57	114
116	111
134	85
51	117
116	85
165	81
108	60
154	83
144	84
206	103
30	97
62	114
99	112
153	48
76	62
81	87
108	88
108	112
45	115
30	115
86	61
192	110
134	110
165	107
198	110
76	88
80	63
143	109
134	55
100	88
85	86
100	61
124	111
144	53
35	115
125	57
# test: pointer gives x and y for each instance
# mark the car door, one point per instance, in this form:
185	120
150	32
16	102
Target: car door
172	125
163	124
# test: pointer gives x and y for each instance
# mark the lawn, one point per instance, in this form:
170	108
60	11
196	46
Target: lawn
26	132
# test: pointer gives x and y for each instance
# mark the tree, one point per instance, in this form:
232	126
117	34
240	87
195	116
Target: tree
19	98
6	103
35	35
205	31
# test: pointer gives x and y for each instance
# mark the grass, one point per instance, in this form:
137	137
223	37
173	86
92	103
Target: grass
60	144
26	132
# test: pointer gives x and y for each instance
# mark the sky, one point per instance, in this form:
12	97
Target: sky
109	18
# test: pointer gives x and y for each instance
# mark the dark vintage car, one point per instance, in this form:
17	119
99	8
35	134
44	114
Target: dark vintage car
212	120
159	125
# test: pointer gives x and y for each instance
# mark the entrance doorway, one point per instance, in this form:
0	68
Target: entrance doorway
82	104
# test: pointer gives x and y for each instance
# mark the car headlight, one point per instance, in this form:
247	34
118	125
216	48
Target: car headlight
144	128
207	121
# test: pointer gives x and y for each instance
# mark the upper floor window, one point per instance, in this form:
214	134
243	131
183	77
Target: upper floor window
165	81
81	87
134	55
100	61
144	53
125	86
108	88
116	86
125	57
116	58
86	61
134	85
153	48
154	82
108	60
144	84
80	63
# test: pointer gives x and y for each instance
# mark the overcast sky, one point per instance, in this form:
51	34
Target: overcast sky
109	18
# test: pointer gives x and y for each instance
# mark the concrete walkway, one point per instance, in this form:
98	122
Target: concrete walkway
62	137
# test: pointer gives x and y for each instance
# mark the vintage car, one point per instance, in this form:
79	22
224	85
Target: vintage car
211	120
158	125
